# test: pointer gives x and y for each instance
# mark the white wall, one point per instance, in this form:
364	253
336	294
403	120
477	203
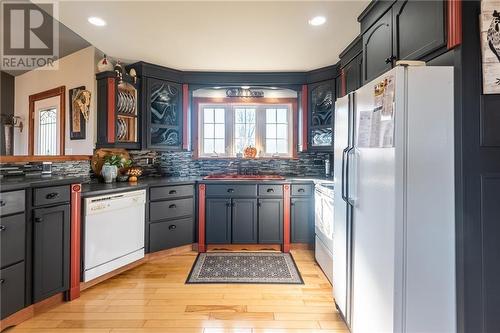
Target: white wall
75	70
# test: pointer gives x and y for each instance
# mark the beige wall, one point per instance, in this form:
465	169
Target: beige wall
75	70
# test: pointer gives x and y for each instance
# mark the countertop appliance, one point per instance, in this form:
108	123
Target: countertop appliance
113	232
323	226
394	239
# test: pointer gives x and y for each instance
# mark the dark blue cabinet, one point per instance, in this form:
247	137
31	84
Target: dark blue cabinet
244	221
301	220
270	221
218	221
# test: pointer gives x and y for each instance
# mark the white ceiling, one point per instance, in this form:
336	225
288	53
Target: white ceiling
218	36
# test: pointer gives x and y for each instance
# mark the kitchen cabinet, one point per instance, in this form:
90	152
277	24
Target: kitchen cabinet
170	217
218	221
402	30
419	28
377	48
12	289
163	111
118	119
244	221
270	222
353	74
51	251
301	219
321	112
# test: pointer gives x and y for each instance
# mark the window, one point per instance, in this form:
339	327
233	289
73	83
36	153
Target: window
227	129
47	134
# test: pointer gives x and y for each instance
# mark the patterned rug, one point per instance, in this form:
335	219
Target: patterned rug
253	267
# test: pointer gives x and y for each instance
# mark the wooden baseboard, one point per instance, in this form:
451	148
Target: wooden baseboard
32	310
243	247
301	246
170	252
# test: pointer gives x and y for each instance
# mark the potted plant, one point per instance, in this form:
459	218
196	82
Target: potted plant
112	163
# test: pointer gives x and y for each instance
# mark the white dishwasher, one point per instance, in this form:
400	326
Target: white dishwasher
113	232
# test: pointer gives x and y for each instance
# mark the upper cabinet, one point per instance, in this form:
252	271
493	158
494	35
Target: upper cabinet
163	105
321	110
118	123
400	30
351	60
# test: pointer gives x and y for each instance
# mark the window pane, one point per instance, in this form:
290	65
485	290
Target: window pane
219	116
250	116
271	146
219	146
238	146
208	131
281	131
270	131
239	131
239	116
250	134
208	115
281	116
208	146
270	115
281	146
219	131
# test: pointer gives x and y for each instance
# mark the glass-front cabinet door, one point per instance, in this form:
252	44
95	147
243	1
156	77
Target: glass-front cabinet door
321	112
164	115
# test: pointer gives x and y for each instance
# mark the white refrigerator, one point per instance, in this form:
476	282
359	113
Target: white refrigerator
394	213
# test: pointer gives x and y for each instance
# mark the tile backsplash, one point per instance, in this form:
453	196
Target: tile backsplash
67	168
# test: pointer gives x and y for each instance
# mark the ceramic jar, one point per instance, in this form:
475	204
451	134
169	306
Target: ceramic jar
109	173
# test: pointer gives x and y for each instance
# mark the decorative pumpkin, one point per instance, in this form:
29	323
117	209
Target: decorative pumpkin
250	152
134	172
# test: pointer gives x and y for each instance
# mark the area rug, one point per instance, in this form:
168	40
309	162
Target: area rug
254	267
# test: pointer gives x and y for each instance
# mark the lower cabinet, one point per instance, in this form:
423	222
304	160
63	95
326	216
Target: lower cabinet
270	221
169	234
218	221
12	289
51	234
301	220
244	221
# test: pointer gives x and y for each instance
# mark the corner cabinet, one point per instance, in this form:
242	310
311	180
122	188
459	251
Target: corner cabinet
164	114
118	116
321	112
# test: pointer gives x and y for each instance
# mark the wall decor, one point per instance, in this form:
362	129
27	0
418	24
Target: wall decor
490	45
79	112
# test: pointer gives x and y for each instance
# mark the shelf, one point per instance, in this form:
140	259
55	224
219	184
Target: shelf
126	115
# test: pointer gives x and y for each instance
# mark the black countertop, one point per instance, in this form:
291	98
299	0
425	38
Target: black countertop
12	183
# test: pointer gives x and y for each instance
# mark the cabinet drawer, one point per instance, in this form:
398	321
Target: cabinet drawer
265	190
302	190
51	195
11	202
161	210
166	235
170	192
229	190
12	231
12	289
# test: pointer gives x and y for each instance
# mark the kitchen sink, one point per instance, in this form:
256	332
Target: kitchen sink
243	177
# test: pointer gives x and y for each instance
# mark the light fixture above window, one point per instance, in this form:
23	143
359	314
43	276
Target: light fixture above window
97	21
317	20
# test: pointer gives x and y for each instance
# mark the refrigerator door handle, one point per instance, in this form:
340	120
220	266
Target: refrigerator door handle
351	163
344	175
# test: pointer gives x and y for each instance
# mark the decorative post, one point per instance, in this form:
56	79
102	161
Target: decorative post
201	218
76	210
286	218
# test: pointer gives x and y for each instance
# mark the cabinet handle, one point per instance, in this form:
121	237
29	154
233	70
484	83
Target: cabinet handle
270	190
2	281
38	219
301	190
172	227
172	206
52	195
2	228
172	192
390	59
230	190
2	203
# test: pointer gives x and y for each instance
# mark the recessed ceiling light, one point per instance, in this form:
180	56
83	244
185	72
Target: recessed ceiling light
245	87
97	21
317	20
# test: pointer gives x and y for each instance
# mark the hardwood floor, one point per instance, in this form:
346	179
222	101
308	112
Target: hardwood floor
153	298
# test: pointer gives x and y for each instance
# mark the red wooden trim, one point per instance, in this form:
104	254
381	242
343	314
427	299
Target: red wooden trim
74	289
202	246
286	218
185	113
111	110
196	122
295	115
454	23
343	83
305	129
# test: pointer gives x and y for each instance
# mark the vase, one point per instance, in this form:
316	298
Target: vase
109	173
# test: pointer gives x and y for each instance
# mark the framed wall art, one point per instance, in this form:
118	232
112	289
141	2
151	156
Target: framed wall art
490	45
78	112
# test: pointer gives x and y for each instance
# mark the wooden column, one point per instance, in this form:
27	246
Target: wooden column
74	284
202	247
286	218
305	130
454	23
185	113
